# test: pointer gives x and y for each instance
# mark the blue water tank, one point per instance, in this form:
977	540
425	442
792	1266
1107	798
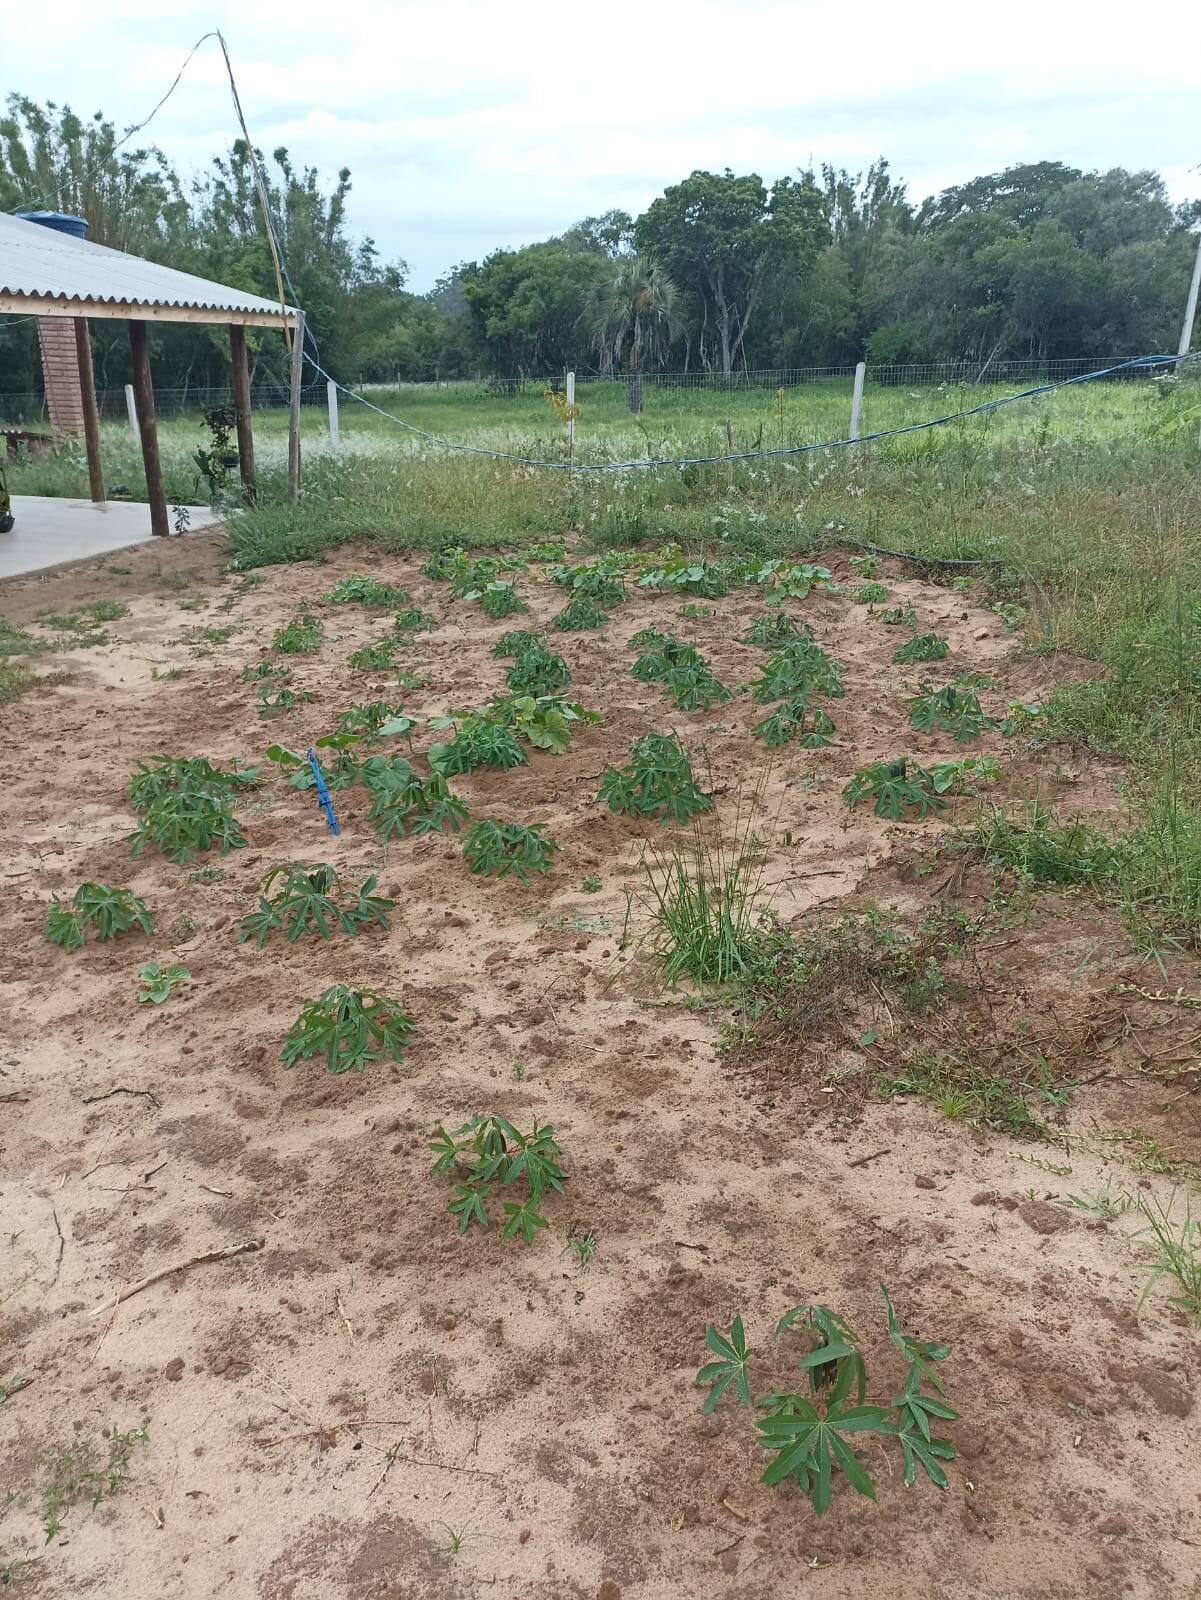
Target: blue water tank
58	220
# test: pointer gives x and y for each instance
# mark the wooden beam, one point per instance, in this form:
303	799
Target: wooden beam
297	372
143	390
241	377
45	305
91	417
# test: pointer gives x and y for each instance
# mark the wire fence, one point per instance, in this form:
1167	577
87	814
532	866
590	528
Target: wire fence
28	409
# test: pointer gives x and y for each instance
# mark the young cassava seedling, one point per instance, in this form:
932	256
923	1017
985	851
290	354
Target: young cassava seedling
350	1027
496	849
371	592
479	741
182	823
901	785
498	599
375	720
774	629
158	981
922	647
952	710
812	1435
376	657
276	701
487	1152
794	719
545	720
310	899
301	636
799	669
107	911
657	781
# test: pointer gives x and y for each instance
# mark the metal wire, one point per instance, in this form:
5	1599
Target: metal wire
652	462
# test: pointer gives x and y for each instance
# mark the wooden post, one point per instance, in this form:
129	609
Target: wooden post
297	370
131	407
857	399
91	417
144	392
331	401
241	377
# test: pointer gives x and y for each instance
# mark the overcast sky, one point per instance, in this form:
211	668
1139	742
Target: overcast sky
470	125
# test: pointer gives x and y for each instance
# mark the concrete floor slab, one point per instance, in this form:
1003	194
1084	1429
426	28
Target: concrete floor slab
50	531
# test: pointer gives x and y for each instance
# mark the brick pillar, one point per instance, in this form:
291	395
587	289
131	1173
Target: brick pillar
60	372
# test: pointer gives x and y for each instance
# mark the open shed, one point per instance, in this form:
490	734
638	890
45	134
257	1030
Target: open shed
56	274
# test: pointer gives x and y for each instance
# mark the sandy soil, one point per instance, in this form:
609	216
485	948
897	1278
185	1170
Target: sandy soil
318	1410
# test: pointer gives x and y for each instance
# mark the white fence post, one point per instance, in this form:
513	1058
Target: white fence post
131	407
331	399
857	399
570	404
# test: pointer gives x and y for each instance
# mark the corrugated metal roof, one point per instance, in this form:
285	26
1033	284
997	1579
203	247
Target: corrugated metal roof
39	261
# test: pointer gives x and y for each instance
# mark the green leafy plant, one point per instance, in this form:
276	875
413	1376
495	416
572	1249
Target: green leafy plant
301	636
579	615
186	774
545	720
184	822
865	566
265	669
80	1471
657	781
901	786
489	1152
894	788
516	642
899	616
783	580
498	599
12	1386
372	592
350	1027
479	741
278	701
107	911
402	801
598	580
375	720
800	669
496	849
414	620
337	756
794	719
812	1435
922	647
310	899
706	579
379	656
591	884
697	613
158	981
537	671
683	672
870	594
771	630
952	710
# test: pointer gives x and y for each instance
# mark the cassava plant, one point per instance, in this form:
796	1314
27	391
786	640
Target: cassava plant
479	740
311	900
812	1432
376	719
349	1027
772	630
108	912
378	656
795	719
579	615
901	786
372	592
301	636
498	599
952	709
799	669
277	701
545	720
658	781
182	823
403	802
922	647
488	1152
495	849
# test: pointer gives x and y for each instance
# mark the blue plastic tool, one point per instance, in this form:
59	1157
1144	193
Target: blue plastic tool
323	799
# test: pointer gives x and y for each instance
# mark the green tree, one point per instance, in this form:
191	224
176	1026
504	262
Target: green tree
630	315
526	305
726	240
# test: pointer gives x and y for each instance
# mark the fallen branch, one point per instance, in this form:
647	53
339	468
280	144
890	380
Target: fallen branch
92	1099
243	1249
875	1156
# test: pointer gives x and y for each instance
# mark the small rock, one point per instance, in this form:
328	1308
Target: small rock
981	633
173	1371
524	1536
923	1182
608	1590
1113	1526
985	1197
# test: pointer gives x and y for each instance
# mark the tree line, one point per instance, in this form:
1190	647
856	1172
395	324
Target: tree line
721	272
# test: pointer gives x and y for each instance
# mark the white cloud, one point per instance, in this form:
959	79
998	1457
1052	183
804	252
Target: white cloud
469	124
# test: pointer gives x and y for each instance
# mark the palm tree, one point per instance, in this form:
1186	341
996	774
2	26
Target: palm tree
631	316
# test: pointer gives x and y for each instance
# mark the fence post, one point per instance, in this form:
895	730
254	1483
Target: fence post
570	418
131	407
857	399
331	400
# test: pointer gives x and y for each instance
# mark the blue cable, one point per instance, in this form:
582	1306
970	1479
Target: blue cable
323	799
752	455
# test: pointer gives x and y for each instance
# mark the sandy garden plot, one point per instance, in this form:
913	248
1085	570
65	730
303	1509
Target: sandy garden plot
327	1413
